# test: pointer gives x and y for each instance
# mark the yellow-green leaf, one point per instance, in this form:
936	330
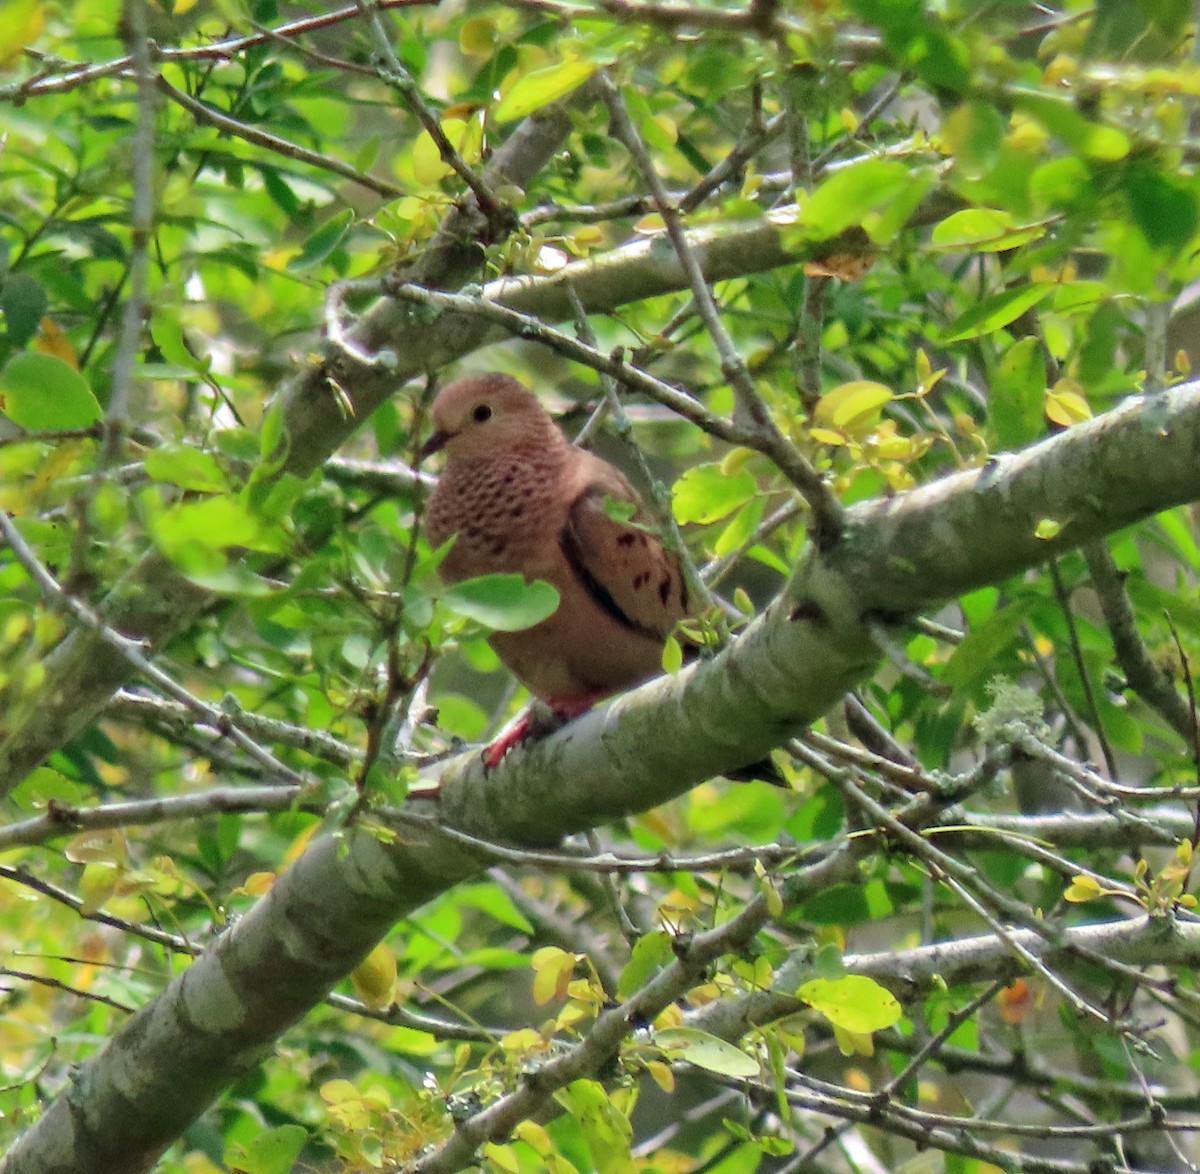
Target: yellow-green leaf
374	978
270	1151
854	1002
853	1043
650	952
853	406
603	1125
543	86
535	1136
477	36
502	1157
706	1051
672	655
984	230
661	1074
552	971
1065	406
706	493
21	23
1082	888
98	883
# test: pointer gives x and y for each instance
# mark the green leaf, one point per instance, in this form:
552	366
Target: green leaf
739	528
40	392
603	1125
706	1051
940	60
854	1002
272	439
505	603
497	904
187	467
543	86
274	1151
985	649
21	22
216	523
321	243
1060	116
996	312
984	230
706	493
974	135
1018	390
650	953
1163	208
168	336
1062	184
43	786
234	580
22	302
851	195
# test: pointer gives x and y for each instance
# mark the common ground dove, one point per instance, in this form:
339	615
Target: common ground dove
521	498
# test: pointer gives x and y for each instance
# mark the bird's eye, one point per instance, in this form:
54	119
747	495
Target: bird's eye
482	413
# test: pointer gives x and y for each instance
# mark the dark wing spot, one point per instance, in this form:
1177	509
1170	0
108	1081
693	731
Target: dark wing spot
517	511
568	541
640	580
499	546
627	540
664	589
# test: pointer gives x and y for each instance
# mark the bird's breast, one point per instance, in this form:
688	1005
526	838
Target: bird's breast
505	515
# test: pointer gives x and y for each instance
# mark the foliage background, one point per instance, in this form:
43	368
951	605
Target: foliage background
942	231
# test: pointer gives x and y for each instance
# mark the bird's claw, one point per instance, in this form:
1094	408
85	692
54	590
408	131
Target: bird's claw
511	736
538	720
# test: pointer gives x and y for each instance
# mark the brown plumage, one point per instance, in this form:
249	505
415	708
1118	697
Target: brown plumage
521	498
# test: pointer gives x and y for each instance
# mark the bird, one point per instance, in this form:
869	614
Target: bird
517	496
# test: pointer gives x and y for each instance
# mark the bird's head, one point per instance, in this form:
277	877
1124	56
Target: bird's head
482	415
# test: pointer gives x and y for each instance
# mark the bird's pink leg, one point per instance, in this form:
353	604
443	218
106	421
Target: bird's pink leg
536	721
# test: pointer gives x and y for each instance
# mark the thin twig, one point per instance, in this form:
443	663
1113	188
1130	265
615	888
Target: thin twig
1144	677
1064	602
392	71
273	143
827	510
80	75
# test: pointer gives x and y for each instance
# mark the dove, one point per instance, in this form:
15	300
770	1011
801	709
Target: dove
517	496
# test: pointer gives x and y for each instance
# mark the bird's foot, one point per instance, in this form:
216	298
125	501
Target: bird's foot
538	720
513	734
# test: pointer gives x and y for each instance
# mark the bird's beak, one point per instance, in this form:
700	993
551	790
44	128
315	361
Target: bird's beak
435	443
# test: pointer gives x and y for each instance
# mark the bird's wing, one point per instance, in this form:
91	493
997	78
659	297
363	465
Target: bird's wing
622	564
